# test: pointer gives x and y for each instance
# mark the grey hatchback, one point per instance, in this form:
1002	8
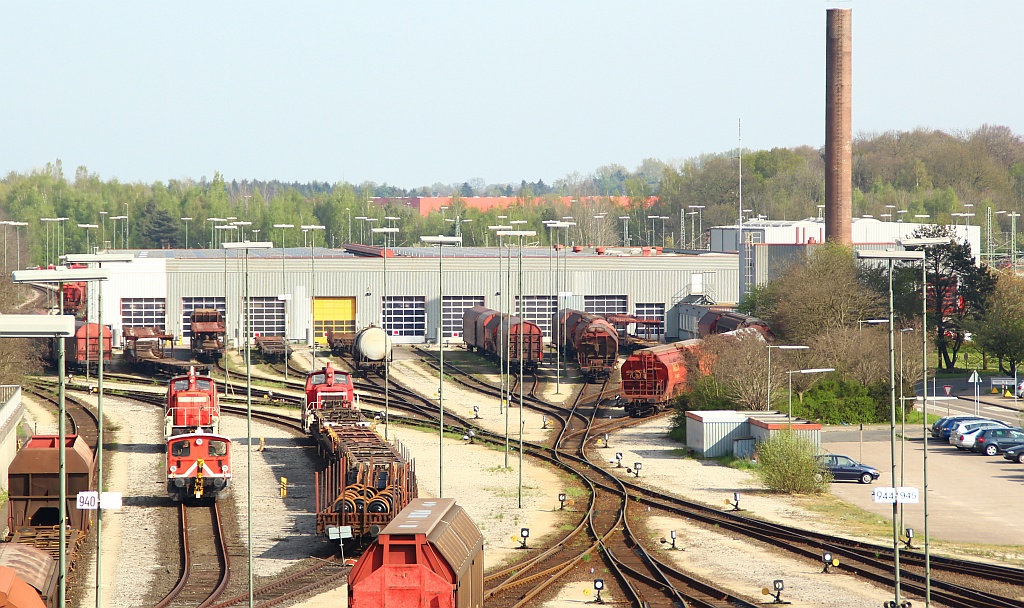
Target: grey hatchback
993	441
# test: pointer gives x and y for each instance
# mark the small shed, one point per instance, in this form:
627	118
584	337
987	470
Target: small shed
763	427
711	433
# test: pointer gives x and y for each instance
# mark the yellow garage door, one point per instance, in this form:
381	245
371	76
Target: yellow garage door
333	314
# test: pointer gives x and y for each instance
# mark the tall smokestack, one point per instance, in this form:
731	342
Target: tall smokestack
838	130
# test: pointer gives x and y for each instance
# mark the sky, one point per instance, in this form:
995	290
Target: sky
413	93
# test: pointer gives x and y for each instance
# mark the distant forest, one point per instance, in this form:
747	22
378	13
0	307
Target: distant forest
896	174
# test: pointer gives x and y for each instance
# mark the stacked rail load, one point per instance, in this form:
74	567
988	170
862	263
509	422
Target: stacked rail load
83	351
653	377
273	348
430	555
364	480
193	405
498	336
590	339
149	349
371	350
206	334
198	467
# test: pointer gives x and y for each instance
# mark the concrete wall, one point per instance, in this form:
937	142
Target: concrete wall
11	412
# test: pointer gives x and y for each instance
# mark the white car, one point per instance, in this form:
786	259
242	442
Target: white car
966	432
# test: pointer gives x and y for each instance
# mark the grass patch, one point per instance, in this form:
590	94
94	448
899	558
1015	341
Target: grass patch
742	464
499	469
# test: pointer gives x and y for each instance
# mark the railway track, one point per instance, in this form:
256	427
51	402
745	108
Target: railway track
205	567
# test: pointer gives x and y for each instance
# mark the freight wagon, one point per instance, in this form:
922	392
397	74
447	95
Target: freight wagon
653	377
590	339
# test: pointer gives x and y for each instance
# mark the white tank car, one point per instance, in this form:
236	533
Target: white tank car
372	348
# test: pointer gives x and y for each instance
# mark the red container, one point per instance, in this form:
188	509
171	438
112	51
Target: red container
652	377
430	555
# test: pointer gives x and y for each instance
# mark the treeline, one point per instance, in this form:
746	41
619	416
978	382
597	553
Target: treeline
902	174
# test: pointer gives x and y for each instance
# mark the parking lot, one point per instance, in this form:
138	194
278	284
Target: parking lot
971	497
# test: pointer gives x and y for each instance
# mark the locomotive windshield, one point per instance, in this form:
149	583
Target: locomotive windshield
181	448
180	384
204	385
218	448
318	378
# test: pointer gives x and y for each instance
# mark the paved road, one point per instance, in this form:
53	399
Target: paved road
971	497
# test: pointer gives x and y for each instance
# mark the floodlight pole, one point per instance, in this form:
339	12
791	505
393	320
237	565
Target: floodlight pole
384	326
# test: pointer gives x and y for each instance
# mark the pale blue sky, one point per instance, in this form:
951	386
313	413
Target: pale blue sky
413	93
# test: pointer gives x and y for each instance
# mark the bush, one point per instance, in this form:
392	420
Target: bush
833	401
787	463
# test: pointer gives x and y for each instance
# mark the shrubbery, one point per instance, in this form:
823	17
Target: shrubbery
787	463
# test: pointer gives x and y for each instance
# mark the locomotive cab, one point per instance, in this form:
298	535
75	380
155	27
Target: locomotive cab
192	403
198	466
327	387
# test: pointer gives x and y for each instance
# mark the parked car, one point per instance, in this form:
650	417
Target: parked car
947	427
947	420
1015	454
963	436
844	468
993	441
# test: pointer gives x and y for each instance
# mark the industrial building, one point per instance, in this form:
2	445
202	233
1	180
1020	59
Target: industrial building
293	290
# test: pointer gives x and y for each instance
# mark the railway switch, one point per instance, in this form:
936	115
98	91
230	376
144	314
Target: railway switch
829	560
778	585
636	468
618	460
735	503
672	535
523	535
598	586
561	500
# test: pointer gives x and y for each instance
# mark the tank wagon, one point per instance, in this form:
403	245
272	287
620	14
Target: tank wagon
198	466
371	349
363	480
590	339
206	334
84	349
192	405
498	336
431	555
720	322
652	377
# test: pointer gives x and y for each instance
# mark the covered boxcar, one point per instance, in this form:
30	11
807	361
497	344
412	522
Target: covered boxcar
84	349
720	322
371	350
652	377
34	488
198	466
430	555
192	405
473	321
591	339
516	333
206	334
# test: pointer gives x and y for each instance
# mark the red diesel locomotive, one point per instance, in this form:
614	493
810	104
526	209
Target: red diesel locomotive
193	405
590	338
198	466
327	387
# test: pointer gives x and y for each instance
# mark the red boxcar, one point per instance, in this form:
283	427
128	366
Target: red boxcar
532	342
84	348
198	466
431	555
652	377
192	405
590	338
473	322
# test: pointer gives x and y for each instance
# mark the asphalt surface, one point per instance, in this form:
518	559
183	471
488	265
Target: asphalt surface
971	497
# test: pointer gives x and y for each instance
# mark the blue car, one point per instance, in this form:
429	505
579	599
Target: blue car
946	428
844	468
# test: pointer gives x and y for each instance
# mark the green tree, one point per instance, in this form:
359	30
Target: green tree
1000	331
